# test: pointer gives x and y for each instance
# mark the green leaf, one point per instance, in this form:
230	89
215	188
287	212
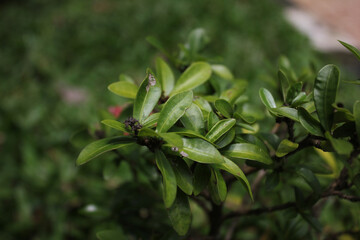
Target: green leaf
99	147
197	41
172	138
169	178
235	170
212	120
202	175
356	181
342	115
219	129
218	186
294	90
226	139
247	151
224	108
203	104
352	49
246	119
173	109
325	89
342	147
222	71
124	89
195	75
165	75
157	44
285	147
187	133
299	99
126	78
284	82
147	97
291	113
232	94
201	151
151	120
180	214
310	178
267	98
309	123
183	176
114	124
193	119
356	113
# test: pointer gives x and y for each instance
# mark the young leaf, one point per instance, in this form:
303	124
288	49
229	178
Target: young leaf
201	177
212	120
232	94
147	97
126	78
165	75
219	129
325	89
195	75
293	91
284	82
352	49
247	151
169	178
124	89
222	71
267	98
235	170
180	214
197	41
356	113
309	123
224	108
114	124
201	151
183	176
151	120
193	119
286	147
173	109
99	147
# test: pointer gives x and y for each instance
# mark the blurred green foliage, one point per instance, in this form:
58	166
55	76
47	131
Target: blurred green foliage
56	60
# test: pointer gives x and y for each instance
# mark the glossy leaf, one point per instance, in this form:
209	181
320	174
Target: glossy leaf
224	108
299	99
247	151
183	176
180	214
202	175
187	133
226	139
99	147
212	120
147	97
267	98
235	170
219	129
165	76
195	75
325	89
151	121
352	49
222	71
309	123
293	91
169	178
114	124
356	113
173	109
201	151
291	113
285	147
193	119
124	89
218	185
342	147
202	104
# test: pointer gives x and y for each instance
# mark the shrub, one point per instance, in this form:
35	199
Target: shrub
197	132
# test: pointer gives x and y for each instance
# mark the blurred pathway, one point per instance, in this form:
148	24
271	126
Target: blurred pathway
326	21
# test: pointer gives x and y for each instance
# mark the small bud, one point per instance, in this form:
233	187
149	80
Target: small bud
184	154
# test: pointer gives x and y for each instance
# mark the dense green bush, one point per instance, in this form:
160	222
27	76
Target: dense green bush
193	127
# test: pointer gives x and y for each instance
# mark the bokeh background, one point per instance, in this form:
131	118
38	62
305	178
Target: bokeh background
57	58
